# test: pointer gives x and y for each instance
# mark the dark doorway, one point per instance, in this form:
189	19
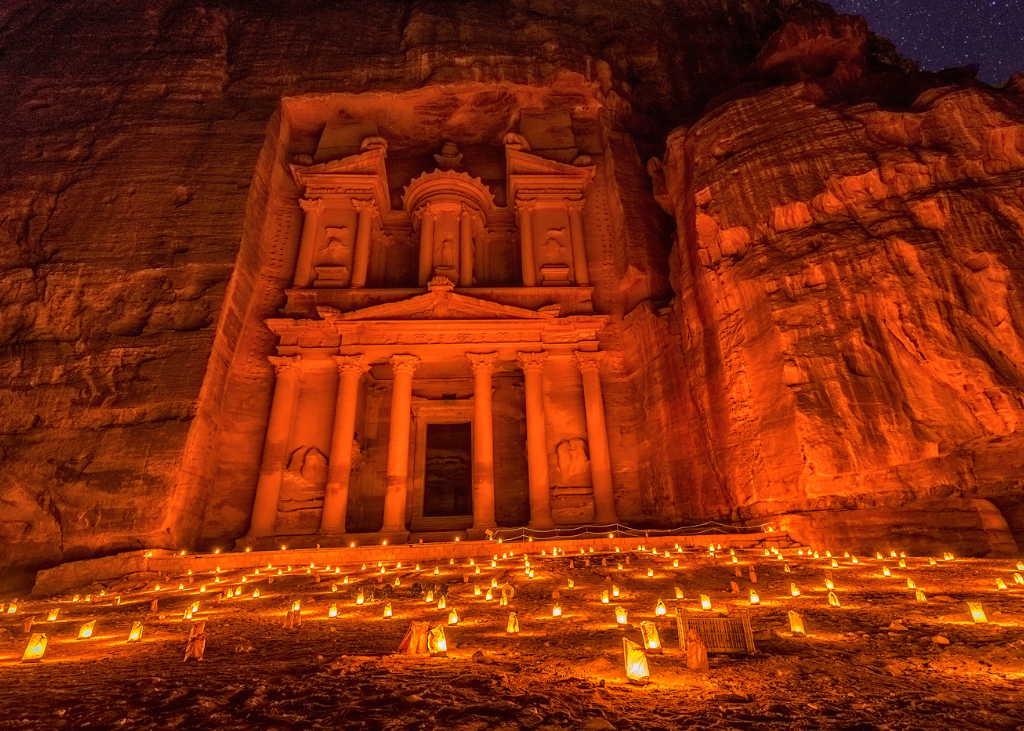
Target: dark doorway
448	485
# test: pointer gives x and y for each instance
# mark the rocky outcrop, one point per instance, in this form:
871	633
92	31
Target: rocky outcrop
846	326
849	268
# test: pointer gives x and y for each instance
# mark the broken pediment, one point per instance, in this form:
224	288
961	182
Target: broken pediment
436	305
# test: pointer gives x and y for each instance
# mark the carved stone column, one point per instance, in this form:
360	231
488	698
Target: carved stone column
465	248
579	248
307	244
427	218
275	446
398	443
536	439
589	365
361	255
525	209
483	441
350	371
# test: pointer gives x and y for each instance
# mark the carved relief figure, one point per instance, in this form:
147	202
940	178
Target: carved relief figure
446	254
553	247
573	462
337	250
304	479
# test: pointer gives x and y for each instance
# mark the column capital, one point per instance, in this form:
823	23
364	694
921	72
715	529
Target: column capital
482	361
405	363
425	211
525	206
314	205
532	361
586	360
367	206
350	364
575	205
285	364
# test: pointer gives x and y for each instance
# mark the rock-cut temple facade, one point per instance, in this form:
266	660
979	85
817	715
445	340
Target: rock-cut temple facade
438	365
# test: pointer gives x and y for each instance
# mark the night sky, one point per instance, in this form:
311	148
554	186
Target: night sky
940	34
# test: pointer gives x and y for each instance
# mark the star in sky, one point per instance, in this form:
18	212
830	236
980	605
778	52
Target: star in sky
940	34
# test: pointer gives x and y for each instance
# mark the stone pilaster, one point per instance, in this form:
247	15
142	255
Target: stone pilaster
536	439
589	365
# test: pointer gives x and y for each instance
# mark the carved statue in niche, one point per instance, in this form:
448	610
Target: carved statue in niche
446	254
573	463
553	247
335	257
305	478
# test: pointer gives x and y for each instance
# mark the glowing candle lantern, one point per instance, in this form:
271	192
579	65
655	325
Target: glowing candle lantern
36	649
796	623
136	632
621	615
1000	584
735	560
878	555
816	554
52	616
571	584
196	642
620	567
489	596
512	626
604	596
705	602
651	638
346	579
297	605
85	631
637	670
754	598
947	557
679	593
853	559
785	568
1020	565
429	597
494	583
453	616
255	593
932	561
650	573
675	563
494	564
556	611
793	590
359	597
472	562
977	612
477	570
615	590
436	571
659	609
846	554
1018	579
920	596
911	584
903	563
437	645
892	554
75	597
441	603
829	584
835	564
833	600
202	589
800	551
387	611
503	601
332	611
886	571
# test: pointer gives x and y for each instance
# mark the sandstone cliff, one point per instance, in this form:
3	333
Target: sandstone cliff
846	325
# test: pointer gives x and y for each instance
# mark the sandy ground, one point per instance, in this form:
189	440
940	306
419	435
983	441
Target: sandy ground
854	669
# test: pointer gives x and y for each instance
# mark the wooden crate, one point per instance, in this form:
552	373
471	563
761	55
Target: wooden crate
729	635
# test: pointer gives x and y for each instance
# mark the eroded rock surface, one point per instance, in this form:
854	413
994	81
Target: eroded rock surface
846	330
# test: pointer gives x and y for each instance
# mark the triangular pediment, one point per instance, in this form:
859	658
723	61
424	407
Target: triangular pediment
438	305
370	162
525	163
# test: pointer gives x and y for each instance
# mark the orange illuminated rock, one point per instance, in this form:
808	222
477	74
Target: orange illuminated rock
447	299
